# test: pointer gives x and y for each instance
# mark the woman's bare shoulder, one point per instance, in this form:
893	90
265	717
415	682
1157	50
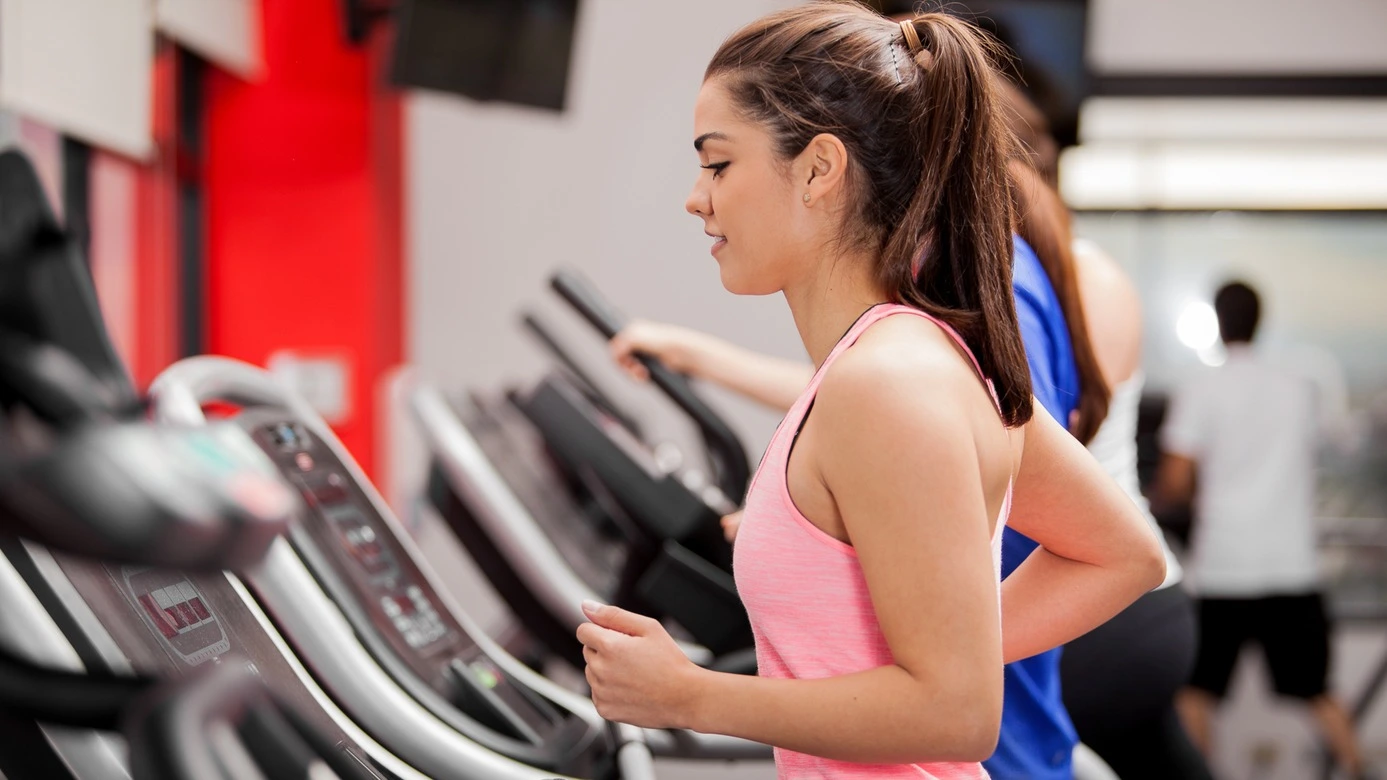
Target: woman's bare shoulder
1112	311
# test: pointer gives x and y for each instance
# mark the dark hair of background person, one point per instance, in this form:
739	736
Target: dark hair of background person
929	148
1238	309
1043	220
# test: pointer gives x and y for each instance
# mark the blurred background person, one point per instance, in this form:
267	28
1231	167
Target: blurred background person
1241	443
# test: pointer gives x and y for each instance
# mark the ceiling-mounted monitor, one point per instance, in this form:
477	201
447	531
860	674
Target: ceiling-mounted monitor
514	51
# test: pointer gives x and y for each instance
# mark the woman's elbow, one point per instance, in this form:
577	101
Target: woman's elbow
982	727
1150	566
970	731
983	742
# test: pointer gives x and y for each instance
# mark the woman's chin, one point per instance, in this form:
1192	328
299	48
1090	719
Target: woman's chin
742	283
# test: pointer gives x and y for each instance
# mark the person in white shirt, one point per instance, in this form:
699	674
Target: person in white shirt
1241	441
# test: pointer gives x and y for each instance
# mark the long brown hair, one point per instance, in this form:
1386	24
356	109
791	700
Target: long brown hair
928	156
1043	221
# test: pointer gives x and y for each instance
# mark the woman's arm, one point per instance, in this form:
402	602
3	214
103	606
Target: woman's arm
774	382
870	717
1097	554
896	452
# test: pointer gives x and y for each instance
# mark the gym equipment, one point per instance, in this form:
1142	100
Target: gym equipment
73	475
559	500
353	596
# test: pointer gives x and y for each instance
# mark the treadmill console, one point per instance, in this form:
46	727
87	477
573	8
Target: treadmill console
166	622
395	611
397	598
581	436
683	566
177	611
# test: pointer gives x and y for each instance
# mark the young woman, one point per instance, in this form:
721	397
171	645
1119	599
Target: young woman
858	167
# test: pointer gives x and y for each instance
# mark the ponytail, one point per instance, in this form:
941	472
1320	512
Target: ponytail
951	253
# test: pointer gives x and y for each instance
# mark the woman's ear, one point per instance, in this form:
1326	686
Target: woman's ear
822	167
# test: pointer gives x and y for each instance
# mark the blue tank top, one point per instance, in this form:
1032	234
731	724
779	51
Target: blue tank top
1037	739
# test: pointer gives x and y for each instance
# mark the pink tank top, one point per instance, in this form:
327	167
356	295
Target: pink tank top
805	592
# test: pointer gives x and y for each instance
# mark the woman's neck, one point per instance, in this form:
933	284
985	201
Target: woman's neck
828	300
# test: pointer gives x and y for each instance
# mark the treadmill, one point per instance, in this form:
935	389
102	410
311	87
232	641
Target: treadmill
559	500
114	662
351	593
126	617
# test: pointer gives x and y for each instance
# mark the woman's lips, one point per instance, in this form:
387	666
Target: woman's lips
718	243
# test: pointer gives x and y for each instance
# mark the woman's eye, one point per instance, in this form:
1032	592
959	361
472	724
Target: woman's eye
716	168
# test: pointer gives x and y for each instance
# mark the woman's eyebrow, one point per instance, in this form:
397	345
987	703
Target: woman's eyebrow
713	136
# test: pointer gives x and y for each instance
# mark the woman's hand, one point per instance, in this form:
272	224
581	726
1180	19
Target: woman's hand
637	673
730	524
670	344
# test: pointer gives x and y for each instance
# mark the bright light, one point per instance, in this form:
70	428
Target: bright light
1208	175
1213	356
1197	327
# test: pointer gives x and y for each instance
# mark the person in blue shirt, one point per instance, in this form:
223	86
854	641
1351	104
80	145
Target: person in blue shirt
1037	739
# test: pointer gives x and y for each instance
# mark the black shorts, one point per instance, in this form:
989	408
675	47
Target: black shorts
1292	630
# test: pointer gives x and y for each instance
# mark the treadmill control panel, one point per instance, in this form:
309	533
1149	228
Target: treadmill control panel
164	623
362	564
400	599
177	611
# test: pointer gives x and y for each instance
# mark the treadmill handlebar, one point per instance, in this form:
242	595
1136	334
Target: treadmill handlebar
723	443
579	293
188	498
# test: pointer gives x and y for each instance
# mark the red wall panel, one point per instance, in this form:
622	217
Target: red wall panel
303	207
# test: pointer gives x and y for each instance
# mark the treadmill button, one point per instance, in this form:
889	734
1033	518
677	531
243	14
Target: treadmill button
166	625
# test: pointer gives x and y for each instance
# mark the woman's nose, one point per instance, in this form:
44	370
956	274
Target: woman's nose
697	202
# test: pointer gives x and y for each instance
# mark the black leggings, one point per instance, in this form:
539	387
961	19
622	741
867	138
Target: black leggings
1119	683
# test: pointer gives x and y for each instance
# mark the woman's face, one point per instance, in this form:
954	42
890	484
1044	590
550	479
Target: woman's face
745	196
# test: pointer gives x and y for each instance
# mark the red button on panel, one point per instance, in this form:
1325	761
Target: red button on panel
185	611
161	621
167	599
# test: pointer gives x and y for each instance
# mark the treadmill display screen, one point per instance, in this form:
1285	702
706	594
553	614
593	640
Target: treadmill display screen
176	609
160	623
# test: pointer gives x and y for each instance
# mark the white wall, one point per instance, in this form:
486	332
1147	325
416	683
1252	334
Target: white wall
500	196
81	67
1261	37
226	32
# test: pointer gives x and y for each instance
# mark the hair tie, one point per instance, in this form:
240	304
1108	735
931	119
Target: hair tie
912	38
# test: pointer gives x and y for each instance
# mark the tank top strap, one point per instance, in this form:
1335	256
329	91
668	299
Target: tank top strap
880	312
